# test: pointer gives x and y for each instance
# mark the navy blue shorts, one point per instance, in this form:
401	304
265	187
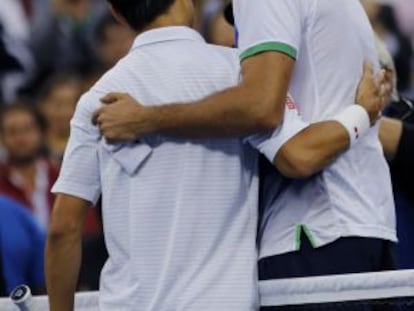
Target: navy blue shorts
345	255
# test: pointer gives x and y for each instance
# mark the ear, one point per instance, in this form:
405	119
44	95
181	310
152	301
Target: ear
120	19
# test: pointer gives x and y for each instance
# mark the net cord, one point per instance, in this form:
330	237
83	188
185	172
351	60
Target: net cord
337	288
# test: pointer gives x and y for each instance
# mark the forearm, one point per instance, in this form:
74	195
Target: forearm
63	258
312	149
390	135
233	112
257	104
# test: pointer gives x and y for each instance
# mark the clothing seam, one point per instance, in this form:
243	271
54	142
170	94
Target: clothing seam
309	235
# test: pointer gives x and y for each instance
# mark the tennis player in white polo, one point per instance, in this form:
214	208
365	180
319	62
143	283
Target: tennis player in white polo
315	49
179	215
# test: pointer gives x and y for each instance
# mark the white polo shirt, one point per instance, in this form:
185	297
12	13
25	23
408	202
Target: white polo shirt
180	216
329	40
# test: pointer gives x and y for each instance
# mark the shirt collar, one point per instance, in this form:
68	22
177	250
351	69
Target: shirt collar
164	34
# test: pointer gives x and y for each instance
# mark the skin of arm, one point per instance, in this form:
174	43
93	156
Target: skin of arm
319	144
256	104
243	110
308	152
390	135
63	251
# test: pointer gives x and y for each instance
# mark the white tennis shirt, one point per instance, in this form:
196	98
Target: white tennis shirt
329	40
180	216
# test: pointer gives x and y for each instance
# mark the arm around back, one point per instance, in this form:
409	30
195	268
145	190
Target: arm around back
256	104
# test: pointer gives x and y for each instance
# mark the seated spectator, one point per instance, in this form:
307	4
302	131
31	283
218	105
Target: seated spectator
27	176
383	21
61	38
22	244
58	103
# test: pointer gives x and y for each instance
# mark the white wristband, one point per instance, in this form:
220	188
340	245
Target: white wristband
356	121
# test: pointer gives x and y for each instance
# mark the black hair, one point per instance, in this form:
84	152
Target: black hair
26	108
140	13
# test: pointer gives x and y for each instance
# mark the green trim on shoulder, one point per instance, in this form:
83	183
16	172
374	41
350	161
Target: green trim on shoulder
270	46
309	235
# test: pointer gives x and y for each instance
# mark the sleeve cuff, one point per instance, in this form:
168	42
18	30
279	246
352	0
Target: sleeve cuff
85	192
269	144
268	47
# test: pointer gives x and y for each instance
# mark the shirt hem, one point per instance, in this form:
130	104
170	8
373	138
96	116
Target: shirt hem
376	232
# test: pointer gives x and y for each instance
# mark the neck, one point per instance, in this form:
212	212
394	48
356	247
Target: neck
161	24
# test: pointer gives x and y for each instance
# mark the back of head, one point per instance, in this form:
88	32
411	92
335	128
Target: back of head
141	13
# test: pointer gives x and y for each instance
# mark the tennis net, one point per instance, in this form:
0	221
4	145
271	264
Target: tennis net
380	291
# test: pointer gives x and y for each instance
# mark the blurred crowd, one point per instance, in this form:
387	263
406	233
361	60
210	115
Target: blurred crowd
51	51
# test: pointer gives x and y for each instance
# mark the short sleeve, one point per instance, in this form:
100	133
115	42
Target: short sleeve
79	175
270	143
270	25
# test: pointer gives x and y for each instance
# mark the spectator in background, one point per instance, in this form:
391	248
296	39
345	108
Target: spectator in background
405	13
383	21
396	137
113	41
62	39
22	243
57	103
14	36
8	63
27	176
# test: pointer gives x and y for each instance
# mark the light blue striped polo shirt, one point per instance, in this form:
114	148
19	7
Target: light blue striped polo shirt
180	216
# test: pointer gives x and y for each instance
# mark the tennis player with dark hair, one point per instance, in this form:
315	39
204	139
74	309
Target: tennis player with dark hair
179	215
315	49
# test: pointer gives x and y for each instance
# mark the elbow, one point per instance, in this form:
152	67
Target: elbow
297	171
266	111
297	165
268	120
60	231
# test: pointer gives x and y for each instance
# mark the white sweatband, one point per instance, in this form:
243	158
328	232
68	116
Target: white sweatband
356	121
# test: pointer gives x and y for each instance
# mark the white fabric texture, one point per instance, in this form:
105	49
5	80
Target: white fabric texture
331	40
179	215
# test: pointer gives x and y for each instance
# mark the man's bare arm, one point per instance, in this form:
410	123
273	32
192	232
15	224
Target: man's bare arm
312	149
257	104
319	144
63	251
390	135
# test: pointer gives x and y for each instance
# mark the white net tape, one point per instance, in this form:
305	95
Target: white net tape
285	292
87	301
338	288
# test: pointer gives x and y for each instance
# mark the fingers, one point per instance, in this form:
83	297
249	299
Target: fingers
95	117
380	78
368	71
113	97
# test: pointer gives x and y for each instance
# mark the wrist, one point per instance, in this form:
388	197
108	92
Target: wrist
151	124
355	119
